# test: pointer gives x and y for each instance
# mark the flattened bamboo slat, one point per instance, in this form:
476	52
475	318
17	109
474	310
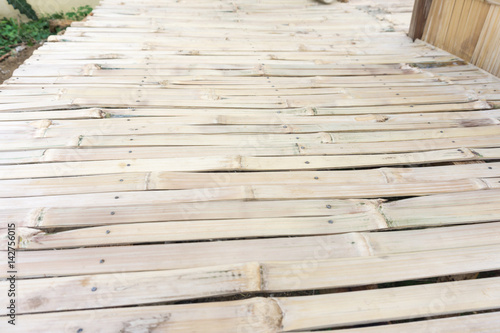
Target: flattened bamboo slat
99	139
259	314
141	128
484	322
253	149
91	216
287	314
473	212
446	208
250	192
106	290
42	115
177	180
242	163
314	312
188	255
205	230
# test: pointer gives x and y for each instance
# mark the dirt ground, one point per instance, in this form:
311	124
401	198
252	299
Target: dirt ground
9	65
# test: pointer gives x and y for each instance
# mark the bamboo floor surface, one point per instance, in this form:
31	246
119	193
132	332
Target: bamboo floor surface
250	166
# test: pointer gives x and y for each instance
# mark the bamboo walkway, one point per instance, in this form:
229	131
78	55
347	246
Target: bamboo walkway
250	166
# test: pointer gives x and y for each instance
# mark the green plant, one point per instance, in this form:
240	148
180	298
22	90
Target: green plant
79	13
14	33
24	8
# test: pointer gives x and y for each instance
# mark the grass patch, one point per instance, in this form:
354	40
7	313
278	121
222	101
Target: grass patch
14	33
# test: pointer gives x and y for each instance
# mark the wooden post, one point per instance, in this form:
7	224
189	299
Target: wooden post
419	18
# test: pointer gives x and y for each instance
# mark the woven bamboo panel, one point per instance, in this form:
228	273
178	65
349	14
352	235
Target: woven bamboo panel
468	28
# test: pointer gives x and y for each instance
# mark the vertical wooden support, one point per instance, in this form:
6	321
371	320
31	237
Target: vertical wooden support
419	18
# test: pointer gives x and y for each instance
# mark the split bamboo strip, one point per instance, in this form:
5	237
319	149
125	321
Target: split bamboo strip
97	138
315	312
119	259
139	127
209	210
251	192
372	219
257	314
86	118
484	322
446	208
121	182
465	207
286	314
39	115
242	163
259	148
32	239
108	290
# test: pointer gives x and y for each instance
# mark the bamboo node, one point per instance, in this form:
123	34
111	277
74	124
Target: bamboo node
249	193
481	184
147	181
268	313
26	236
148	324
221	120
253	273
97	113
89	69
311	111
37	217
384	221
469	153
327	137
362	243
